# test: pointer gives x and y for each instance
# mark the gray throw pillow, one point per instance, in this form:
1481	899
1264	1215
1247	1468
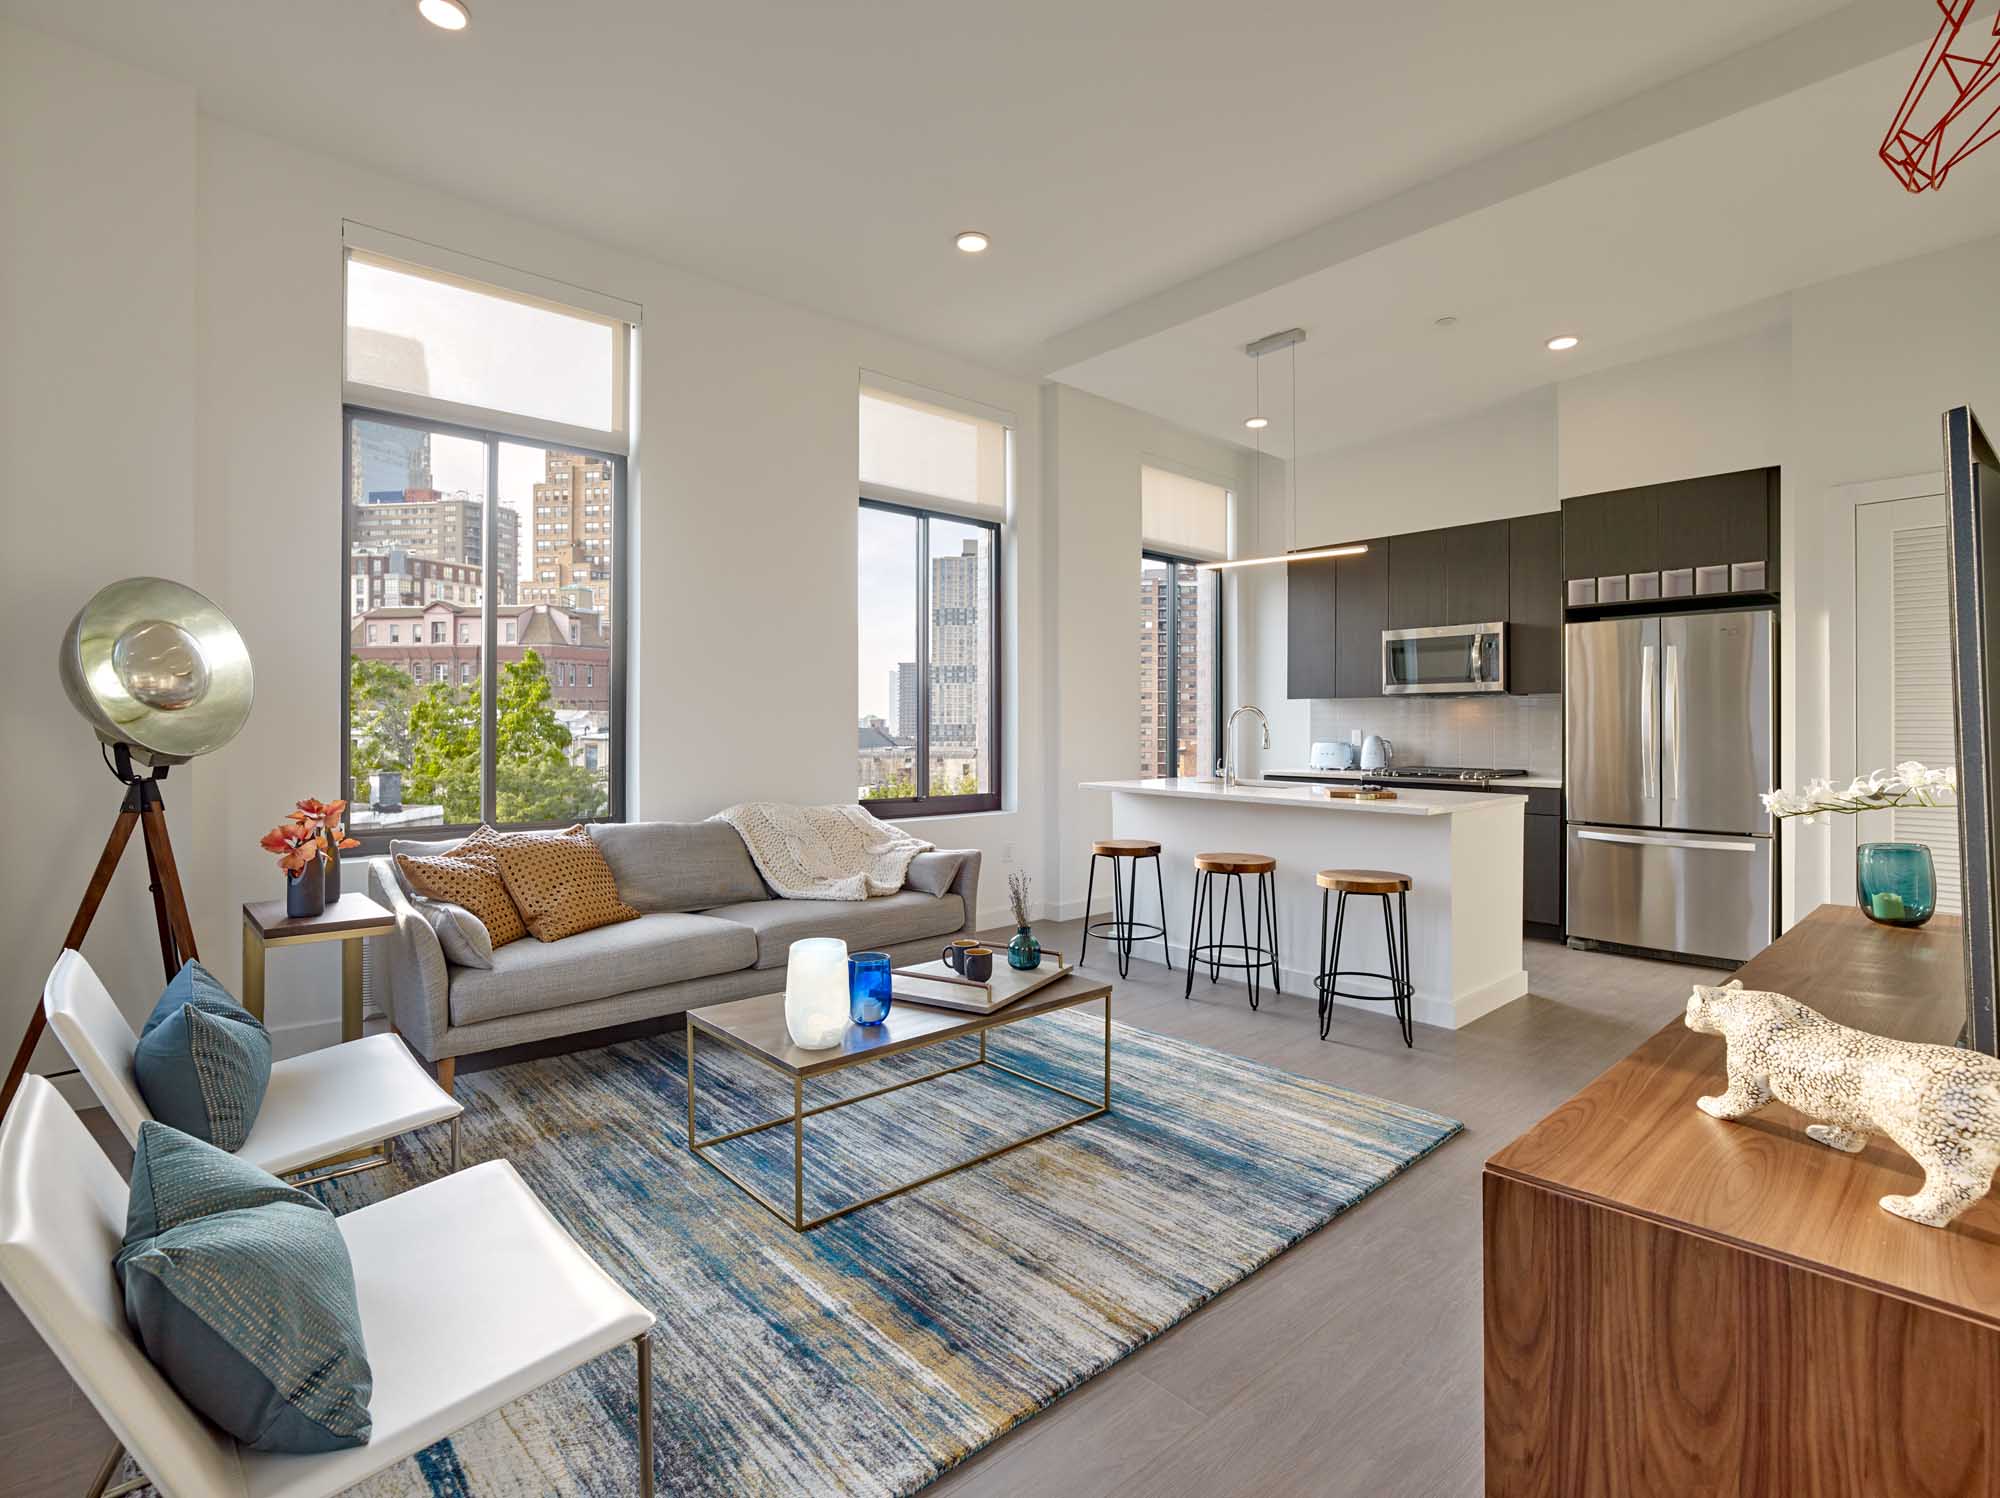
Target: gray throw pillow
464	937
203	1060
931	873
242	1294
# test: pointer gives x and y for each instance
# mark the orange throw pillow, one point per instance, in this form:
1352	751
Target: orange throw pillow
560	882
469	875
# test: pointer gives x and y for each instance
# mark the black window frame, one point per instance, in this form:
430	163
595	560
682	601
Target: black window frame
375	840
900	808
1172	559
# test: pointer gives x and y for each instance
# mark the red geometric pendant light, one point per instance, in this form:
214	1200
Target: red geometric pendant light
1953	106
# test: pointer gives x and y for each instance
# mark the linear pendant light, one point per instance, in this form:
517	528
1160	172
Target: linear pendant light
1291	338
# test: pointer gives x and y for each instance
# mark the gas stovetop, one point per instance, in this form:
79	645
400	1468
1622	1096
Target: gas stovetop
1442	772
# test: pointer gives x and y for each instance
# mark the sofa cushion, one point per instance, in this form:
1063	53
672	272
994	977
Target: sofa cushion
864	925
678	865
560	883
931	873
468	875
528	976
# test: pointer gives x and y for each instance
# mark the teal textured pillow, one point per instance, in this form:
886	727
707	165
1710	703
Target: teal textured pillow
242	1294
203	1060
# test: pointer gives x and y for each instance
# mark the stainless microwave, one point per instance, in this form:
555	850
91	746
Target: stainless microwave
1457	658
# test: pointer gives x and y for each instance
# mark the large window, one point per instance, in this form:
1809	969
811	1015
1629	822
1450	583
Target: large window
1185	521
1180	640
482	573
928	590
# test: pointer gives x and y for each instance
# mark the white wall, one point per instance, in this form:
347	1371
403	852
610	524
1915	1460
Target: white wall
97	419
1095	449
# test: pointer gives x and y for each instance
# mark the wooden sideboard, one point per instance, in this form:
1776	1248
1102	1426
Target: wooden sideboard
1679	1305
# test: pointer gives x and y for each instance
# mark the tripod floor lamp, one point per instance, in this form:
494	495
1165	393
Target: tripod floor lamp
162	676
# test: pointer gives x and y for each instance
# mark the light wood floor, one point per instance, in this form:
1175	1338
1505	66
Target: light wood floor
1351	1365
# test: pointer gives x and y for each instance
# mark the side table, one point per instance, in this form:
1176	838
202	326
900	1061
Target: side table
349	920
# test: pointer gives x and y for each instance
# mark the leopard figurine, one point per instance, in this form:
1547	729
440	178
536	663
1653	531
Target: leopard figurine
1940	1103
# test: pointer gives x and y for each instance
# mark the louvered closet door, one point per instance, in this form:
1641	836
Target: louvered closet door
1903	696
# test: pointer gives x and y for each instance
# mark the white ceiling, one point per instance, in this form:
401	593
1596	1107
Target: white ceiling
826	153
1695	238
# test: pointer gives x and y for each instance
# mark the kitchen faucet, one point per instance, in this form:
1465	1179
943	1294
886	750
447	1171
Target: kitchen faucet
1227	765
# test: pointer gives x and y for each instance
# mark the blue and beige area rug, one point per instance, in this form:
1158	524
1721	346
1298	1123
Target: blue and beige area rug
872	1354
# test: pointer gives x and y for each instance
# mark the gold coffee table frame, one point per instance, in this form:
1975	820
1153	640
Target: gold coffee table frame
756	1028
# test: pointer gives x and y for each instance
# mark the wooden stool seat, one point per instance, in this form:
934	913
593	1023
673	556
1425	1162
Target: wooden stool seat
1124	847
1235	863
1363	881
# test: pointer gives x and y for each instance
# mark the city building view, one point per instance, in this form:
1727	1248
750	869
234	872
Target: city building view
417	604
960	647
1176	685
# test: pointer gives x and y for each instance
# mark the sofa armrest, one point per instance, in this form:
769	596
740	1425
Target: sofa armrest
407	968
966	887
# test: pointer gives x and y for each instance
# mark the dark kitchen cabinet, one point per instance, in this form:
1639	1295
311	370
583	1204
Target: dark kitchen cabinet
1361	613
1716	520
1475	580
1535	603
1419	565
1541	869
1310	628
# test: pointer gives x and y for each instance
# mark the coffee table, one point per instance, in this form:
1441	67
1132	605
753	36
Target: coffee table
756	1027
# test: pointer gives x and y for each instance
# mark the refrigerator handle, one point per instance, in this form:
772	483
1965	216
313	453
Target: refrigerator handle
1649	752
1670	720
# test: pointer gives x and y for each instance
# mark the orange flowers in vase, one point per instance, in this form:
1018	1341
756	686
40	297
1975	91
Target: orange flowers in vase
308	844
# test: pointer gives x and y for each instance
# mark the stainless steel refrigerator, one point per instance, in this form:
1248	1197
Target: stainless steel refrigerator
1669	724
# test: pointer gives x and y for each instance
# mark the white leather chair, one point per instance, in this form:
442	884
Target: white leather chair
471	1296
319	1107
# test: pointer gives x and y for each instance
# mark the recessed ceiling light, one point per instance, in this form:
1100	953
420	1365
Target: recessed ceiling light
1257	423
1565	341
446	15
972	241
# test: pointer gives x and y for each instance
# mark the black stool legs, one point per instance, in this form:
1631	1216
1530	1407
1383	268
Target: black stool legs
1122	930
1254	956
1398	977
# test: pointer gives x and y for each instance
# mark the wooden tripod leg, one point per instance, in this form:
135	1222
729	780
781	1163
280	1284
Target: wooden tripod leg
161	924
93	896
160	852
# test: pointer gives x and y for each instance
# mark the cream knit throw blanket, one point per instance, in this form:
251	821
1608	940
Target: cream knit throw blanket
823	852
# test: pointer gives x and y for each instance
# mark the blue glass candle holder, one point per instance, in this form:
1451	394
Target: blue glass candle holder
868	995
1895	883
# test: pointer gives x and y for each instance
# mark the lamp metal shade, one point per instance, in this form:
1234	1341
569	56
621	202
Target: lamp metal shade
156	666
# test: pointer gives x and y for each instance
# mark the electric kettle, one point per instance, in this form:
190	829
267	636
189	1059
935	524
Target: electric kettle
1376	752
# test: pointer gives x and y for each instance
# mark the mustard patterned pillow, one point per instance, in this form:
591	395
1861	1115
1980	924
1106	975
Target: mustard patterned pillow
560	882
469	875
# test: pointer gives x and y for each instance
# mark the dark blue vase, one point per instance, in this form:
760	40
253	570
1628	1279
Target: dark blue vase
305	891
868	987
1024	952
1895	883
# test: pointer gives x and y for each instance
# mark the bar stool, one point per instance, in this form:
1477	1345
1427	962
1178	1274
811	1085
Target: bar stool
1231	867
1122	929
1385	883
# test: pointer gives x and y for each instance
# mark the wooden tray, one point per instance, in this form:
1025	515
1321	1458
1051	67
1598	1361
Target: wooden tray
935	986
1359	793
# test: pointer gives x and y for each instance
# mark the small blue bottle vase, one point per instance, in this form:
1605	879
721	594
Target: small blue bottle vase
868	987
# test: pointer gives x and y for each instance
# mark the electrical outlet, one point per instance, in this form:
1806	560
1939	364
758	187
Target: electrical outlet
1354	736
1007	854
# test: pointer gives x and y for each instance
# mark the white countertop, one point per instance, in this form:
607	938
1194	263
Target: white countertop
1408	803
1538	782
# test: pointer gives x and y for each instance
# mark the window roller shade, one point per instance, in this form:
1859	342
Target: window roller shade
912	451
1182	516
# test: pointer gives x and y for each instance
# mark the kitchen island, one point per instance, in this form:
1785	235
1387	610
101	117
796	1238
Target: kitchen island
1462	852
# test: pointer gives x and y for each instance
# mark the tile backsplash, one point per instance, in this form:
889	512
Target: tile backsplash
1498	732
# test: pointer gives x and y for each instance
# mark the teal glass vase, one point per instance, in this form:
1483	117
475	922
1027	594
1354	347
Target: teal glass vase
1895	883
1024	952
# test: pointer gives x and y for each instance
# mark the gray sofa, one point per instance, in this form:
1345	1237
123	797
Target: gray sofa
709	930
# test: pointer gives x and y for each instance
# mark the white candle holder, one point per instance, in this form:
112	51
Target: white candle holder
816	992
